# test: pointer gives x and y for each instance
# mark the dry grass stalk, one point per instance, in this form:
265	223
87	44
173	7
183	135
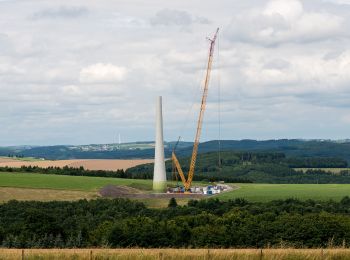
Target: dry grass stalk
182	254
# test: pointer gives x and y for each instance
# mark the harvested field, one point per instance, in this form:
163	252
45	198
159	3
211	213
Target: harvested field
22	194
108	164
7	160
93	164
172	254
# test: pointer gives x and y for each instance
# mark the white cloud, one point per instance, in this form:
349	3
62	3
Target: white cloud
9	69
170	17
284	21
102	73
71	90
89	69
61	12
288	9
312	74
345	2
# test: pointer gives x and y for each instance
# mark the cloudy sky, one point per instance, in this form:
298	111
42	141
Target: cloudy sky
80	72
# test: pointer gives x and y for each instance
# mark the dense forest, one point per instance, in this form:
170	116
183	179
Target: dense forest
205	223
234	167
290	147
257	167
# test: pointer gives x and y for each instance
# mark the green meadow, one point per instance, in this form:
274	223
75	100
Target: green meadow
266	192
249	191
64	182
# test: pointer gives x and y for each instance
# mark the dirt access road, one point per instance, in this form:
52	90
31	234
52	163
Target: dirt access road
113	191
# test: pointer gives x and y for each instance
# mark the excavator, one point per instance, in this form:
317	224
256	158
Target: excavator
187	182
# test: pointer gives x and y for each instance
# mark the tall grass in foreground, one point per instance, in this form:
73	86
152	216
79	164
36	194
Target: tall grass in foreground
182	254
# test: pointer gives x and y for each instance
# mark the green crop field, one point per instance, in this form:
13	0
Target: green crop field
266	192
63	182
249	191
25	159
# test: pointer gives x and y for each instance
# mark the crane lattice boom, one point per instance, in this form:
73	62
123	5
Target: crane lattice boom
187	182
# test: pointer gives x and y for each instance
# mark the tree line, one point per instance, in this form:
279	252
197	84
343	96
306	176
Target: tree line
234	167
73	171
199	224
257	167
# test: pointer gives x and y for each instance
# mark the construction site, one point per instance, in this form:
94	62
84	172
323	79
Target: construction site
159	175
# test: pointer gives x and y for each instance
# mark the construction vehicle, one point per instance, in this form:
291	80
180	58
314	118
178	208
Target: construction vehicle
176	164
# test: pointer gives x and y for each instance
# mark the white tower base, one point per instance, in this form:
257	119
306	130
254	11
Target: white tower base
159	174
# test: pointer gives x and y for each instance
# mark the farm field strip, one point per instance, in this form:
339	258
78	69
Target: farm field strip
25	194
249	191
265	192
64	182
193	254
6	160
89	164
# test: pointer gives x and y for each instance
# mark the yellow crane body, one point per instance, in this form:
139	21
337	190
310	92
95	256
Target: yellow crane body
187	182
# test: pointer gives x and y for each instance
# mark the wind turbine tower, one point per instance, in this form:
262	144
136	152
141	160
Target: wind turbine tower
159	175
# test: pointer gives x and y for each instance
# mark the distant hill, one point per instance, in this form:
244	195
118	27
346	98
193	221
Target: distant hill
93	151
257	167
290	147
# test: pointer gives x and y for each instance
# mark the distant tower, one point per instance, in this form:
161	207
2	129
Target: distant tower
119	139
159	175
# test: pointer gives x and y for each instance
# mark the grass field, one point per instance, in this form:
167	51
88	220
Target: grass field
44	187
182	254
63	182
15	159
266	192
88	186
